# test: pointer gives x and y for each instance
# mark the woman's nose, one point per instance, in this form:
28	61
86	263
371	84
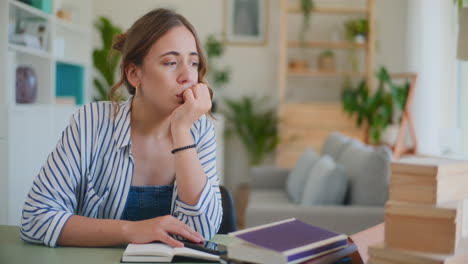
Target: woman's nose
187	74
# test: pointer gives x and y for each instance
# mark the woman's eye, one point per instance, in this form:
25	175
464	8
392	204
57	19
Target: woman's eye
195	63
172	63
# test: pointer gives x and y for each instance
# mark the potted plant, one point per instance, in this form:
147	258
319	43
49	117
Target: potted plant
356	30
255	124
377	110
216	76
104	64
306	7
326	61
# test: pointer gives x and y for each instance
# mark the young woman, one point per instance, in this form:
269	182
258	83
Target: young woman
137	171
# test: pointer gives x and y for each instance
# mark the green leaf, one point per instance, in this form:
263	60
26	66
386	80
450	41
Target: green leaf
103	93
213	47
105	66
255	124
375	109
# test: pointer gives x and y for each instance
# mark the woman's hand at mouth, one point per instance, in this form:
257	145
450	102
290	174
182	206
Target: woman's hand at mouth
196	102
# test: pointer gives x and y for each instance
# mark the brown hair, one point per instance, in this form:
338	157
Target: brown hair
135	44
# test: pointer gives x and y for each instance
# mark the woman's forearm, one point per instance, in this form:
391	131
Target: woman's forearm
89	232
191	177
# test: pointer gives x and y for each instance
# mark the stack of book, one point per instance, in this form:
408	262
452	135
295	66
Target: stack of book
289	241
426	217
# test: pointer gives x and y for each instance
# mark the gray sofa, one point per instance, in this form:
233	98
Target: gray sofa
367	169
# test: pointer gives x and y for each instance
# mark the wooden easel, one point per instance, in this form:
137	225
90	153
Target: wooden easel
400	147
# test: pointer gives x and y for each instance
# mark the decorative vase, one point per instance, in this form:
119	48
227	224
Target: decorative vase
26	85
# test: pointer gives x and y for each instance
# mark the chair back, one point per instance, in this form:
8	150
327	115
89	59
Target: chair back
228	223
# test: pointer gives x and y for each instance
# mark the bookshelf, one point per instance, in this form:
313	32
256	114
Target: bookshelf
60	58
308	122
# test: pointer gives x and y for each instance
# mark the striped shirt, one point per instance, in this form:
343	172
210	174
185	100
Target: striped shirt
90	171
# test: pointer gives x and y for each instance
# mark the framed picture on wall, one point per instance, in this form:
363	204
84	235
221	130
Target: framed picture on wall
245	22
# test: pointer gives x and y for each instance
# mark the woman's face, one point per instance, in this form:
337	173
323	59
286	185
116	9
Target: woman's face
170	67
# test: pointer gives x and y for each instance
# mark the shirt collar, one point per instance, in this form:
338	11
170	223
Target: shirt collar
122	124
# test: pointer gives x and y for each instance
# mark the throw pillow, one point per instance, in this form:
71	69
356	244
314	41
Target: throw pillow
335	144
368	170
326	184
299	173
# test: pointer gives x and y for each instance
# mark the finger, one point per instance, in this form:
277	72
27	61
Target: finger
194	234
203	92
204	96
171	241
195	90
186	235
181	229
188	95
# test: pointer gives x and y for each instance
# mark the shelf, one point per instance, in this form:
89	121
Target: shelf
72	62
28	107
30	9
325	74
71	26
332	10
30	51
325	44
403	75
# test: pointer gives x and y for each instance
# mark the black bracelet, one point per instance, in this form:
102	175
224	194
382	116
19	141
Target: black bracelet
183	148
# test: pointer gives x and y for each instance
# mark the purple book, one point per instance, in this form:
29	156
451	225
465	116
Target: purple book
292	240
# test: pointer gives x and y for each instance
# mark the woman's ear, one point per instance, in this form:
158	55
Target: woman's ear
133	73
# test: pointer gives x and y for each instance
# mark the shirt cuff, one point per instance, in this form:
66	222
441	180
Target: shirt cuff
55	228
200	207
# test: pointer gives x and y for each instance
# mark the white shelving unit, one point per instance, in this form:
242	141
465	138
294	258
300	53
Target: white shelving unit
62	65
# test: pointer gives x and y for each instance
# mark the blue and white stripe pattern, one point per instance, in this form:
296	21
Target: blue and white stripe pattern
90	171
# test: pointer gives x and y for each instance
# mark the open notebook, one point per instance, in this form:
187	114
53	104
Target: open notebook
159	252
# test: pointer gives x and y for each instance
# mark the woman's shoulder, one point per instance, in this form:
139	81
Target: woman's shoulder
94	113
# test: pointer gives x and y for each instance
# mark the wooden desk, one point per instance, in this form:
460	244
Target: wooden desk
15	250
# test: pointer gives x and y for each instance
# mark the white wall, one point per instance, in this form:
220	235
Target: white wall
254	68
431	53
463	107
4	183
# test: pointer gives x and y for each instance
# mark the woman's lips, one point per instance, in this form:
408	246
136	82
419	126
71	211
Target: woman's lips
180	98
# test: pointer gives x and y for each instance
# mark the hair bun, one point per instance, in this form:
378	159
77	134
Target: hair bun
119	42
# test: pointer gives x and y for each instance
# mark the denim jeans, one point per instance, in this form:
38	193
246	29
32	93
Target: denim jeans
146	202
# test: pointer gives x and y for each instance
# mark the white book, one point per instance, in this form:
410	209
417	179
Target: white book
159	252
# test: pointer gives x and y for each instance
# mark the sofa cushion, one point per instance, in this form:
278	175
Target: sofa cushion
368	170
326	184
335	144
298	175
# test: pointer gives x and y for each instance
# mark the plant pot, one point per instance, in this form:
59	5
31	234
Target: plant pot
360	39
326	64
298	65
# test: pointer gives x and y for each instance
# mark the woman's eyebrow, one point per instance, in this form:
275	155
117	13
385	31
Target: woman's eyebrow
175	53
